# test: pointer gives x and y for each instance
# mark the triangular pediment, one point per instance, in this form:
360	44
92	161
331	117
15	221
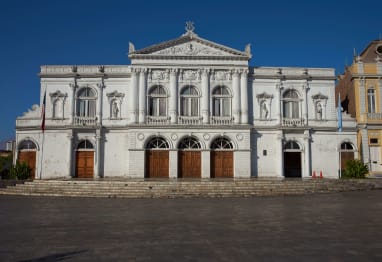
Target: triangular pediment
189	45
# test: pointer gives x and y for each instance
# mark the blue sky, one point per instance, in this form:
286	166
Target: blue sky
282	33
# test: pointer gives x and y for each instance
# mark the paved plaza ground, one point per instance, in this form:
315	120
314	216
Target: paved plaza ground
319	227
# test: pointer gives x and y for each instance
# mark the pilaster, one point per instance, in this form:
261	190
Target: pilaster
133	97
142	95
244	96
205	98
236	96
173	96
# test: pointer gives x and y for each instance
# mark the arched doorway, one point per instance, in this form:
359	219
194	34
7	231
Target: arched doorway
347	153
189	158
85	159
157	158
27	153
221	158
292	159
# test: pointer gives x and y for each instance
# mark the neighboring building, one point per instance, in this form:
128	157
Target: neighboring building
360	88
9	145
187	107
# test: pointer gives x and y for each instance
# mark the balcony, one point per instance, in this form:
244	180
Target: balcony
157	120
189	120
221	120
374	116
84	121
293	122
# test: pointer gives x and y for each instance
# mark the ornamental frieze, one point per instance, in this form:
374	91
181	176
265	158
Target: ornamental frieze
190	49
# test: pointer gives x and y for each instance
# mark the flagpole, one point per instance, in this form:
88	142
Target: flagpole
339	119
42	153
42	130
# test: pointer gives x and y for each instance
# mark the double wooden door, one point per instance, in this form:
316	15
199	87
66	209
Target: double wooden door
85	164
221	164
157	164
189	164
29	157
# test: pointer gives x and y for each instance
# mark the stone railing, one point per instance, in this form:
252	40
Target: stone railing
293	122
374	116
157	120
84	121
221	120
189	120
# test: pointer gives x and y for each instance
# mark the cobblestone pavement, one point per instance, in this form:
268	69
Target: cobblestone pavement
323	227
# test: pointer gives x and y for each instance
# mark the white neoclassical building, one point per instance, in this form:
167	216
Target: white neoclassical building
187	107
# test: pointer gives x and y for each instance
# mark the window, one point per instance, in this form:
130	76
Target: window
221	143
157	101
346	146
27	145
189	102
291	104
189	143
373	141
291	146
221	102
157	143
85	144
371	100
86	103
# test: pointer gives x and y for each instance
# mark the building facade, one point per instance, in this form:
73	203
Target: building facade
184	108
361	96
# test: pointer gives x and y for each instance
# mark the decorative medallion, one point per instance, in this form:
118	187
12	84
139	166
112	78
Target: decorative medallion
174	137
141	136
239	137
206	136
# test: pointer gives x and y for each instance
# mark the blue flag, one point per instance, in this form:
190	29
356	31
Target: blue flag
339	114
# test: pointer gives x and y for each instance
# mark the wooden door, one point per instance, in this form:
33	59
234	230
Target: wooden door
189	164
29	157
221	164
157	164
85	164
345	156
375	159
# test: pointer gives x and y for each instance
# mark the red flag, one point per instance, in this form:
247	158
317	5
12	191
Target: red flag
43	113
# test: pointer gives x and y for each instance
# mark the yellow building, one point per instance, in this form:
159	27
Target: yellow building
360	89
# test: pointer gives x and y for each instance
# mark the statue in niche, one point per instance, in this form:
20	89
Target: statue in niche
319	111
115	109
264	111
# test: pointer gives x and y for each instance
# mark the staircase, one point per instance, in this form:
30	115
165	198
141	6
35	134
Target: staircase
130	188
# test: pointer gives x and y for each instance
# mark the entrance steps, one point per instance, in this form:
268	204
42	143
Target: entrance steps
131	188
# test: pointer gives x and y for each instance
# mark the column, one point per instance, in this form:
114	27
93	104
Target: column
173	96
70	154
97	161
236	97
133	97
99	102
305	103
205	99
244	96
279	87
362	98
142	95
307	158
365	147
72	101
280	170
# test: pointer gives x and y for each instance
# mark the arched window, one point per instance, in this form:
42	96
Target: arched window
221	143
346	146
292	146
291	104
85	144
189	143
157	101
157	143
189	102
27	145
221	101
86	103
371	100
